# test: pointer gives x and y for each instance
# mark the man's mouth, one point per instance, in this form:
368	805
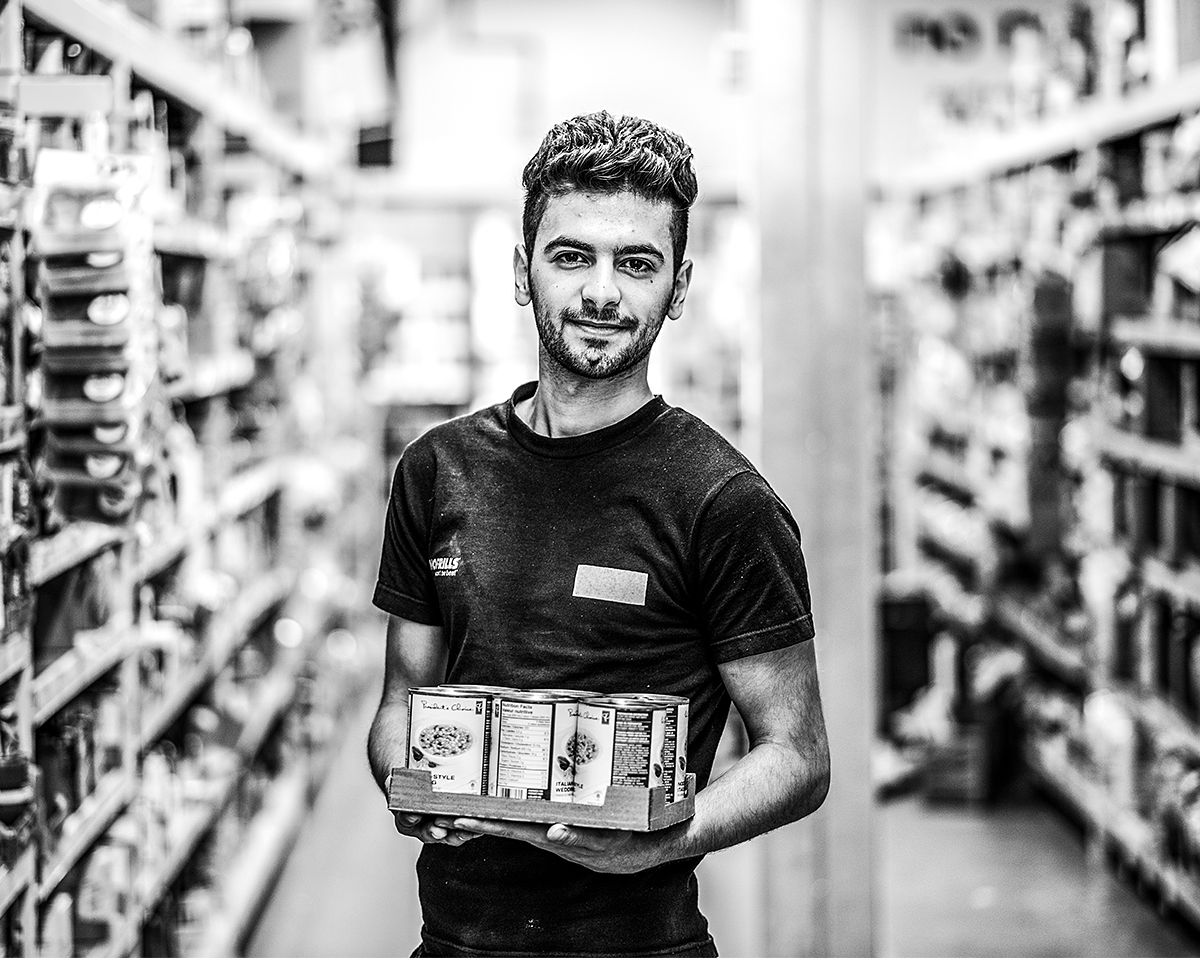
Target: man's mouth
595	324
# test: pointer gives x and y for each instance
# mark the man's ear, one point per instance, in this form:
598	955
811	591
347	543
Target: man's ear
521	276
683	279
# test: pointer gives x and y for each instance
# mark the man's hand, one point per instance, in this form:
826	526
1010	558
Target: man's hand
431	831
600	849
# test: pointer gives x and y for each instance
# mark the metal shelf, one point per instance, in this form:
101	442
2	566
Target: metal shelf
277	696
226	636
87	824
250	489
1176	462
1087	126
976	555
1151	216
1133	836
1042	639
16	652
76	670
192	238
1181	584
76	543
1163	336
211	376
269	839
197	822
166	64
167	548
943	468
13	881
1168	723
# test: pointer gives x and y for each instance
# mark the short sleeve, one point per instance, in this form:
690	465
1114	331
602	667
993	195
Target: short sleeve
405	586
753	581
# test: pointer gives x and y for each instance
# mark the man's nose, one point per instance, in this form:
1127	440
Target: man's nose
601	288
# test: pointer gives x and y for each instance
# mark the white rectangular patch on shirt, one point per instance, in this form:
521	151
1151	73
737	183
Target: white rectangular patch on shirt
610	585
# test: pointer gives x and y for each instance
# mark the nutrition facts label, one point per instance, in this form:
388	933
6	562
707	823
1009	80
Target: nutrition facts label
670	744
631	749
524	743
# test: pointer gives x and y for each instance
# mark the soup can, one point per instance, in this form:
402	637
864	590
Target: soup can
523	732
449	732
490	692
566	724
675	739
618	741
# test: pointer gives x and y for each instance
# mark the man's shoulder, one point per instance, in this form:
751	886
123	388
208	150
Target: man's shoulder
689	432
463	431
706	460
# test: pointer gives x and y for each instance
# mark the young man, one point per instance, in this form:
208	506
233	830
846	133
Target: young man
706	596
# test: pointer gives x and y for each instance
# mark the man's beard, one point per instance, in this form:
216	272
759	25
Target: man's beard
595	360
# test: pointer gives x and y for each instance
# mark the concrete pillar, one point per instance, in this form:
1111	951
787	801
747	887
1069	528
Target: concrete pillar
808	63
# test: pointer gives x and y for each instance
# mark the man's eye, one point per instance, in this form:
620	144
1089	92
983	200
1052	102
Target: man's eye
568	258
638	266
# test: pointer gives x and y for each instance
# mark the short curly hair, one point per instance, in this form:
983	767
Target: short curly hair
601	153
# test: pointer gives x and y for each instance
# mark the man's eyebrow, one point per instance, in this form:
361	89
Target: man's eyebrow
641	249
635	249
568	241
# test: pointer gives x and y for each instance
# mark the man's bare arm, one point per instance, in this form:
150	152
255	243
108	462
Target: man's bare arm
785	774
783	777
415	656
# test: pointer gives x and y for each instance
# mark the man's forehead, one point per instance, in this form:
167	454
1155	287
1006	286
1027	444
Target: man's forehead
617	212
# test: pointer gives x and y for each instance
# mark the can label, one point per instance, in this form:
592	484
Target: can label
448	734
616	744
523	739
680	785
566	739
675	736
489	692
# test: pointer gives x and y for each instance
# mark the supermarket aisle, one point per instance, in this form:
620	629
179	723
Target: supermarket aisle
1006	881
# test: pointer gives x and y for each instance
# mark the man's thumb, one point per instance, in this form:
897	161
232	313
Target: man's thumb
562	835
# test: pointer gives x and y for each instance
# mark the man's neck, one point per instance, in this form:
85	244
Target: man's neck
573	406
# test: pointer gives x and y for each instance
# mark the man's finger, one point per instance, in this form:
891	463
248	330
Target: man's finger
522	831
562	835
408	821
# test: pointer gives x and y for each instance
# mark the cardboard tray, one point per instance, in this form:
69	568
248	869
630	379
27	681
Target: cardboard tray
631	809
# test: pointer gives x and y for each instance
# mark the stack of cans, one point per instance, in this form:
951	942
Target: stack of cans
556	745
96	282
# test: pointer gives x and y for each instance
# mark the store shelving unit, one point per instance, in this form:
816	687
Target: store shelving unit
164	63
1048	418
193	598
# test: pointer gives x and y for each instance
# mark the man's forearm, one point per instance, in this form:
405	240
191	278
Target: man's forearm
771	786
386	741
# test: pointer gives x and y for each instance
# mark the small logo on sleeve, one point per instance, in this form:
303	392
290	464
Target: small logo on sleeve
445	565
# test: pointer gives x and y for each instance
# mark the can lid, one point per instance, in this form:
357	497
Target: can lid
625	701
489	689
568	693
532	695
444	690
653	697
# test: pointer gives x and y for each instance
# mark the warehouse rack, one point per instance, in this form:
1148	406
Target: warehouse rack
1046	497
195	743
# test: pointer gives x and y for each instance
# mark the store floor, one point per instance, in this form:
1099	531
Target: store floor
955	882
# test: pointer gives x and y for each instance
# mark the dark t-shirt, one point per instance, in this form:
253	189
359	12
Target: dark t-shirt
495	532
